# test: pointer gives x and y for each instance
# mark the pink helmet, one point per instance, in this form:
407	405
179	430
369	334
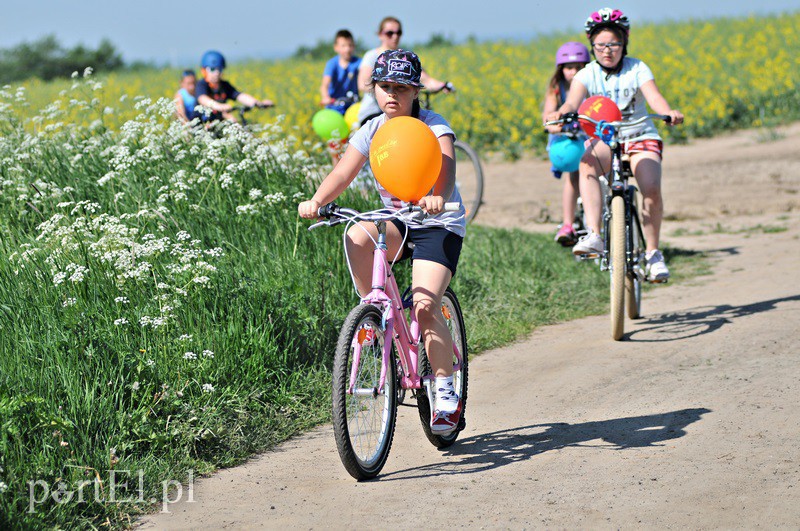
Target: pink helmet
572	52
607	18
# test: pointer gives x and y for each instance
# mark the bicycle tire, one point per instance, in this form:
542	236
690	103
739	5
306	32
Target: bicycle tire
617	246
469	178
635	277
455	323
363	425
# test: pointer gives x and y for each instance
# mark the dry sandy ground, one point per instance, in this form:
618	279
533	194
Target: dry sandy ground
692	421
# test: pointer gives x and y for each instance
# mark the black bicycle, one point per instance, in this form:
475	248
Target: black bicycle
625	246
469	173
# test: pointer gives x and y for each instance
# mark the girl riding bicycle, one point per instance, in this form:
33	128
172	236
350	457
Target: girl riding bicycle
629	83
571	57
396	85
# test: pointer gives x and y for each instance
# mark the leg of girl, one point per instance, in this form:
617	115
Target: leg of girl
360	248
646	168
429	280
595	162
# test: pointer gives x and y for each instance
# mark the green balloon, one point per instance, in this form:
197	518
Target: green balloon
330	125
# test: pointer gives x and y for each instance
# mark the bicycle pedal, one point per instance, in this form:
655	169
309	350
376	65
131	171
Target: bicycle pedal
657	281
588	256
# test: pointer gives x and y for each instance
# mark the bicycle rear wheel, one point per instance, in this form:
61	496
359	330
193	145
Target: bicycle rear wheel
469	178
617	263
451	310
635	278
364	419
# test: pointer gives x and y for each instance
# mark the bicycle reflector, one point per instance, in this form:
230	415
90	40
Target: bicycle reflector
598	108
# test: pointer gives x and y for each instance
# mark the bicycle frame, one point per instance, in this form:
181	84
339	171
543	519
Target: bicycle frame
386	295
620	173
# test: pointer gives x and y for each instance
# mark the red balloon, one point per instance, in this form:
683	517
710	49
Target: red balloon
406	158
598	108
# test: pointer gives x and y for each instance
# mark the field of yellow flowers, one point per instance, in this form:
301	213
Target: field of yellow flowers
722	73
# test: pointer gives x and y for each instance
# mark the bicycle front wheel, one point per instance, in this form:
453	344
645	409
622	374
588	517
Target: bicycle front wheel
363	415
469	178
451	310
616	250
635	278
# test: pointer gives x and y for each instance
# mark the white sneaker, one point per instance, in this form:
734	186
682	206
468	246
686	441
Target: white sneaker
590	245
656	270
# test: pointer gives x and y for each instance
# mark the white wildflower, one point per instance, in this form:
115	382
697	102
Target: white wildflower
208	353
190	356
208	388
150	363
121	321
185	337
135	386
122	300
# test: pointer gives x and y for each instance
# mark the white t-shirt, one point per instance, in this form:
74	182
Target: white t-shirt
369	105
625	89
361	141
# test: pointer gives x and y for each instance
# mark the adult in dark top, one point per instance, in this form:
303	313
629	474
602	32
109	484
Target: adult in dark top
214	92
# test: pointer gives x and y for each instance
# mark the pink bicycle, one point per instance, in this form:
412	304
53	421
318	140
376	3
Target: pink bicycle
370	374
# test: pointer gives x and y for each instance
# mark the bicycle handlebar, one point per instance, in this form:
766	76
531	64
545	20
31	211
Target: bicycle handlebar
447	86
570	117
342	214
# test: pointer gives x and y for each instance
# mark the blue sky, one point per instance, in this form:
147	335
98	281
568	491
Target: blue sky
166	31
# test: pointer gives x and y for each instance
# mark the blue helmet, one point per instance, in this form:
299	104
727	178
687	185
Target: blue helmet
212	59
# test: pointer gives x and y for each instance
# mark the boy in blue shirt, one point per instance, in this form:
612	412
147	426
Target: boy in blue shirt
340	77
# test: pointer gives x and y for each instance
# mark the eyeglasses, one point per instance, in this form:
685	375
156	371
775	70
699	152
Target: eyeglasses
391	34
613	46
213	70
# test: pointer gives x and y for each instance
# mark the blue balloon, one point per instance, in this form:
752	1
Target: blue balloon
565	153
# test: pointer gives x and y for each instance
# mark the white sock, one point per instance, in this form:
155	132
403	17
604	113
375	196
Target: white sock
446	397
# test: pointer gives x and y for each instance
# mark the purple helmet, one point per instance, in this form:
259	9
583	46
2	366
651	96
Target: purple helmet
607	18
572	52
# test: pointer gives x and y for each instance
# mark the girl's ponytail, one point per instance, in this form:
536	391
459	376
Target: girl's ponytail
415	108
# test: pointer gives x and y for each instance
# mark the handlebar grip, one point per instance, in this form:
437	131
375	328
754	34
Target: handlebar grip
667	119
452	206
328	210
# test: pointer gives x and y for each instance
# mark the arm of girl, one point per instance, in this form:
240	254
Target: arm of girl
550	106
577	93
334	184
443	189
659	104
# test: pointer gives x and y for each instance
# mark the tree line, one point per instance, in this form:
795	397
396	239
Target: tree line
47	59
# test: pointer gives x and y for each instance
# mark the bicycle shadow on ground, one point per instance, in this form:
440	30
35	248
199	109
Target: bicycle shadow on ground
694	322
488	451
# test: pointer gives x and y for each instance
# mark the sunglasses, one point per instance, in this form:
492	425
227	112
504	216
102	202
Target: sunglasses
213	70
391	34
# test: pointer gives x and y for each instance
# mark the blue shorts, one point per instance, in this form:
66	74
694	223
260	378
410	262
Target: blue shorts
435	244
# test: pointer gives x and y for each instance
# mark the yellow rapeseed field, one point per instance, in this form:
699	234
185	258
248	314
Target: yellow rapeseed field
721	73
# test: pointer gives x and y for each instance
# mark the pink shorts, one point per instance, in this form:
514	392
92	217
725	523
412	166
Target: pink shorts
640	146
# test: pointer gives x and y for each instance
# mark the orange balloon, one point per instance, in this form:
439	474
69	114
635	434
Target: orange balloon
406	158
598	108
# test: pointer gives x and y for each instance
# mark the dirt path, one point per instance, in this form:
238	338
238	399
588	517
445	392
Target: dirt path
692	421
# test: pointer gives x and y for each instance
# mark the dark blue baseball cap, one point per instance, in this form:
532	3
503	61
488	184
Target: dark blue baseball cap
398	66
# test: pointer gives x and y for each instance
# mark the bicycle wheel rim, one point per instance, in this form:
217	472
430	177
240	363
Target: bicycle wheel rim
635	277
469	179
617	265
363	421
